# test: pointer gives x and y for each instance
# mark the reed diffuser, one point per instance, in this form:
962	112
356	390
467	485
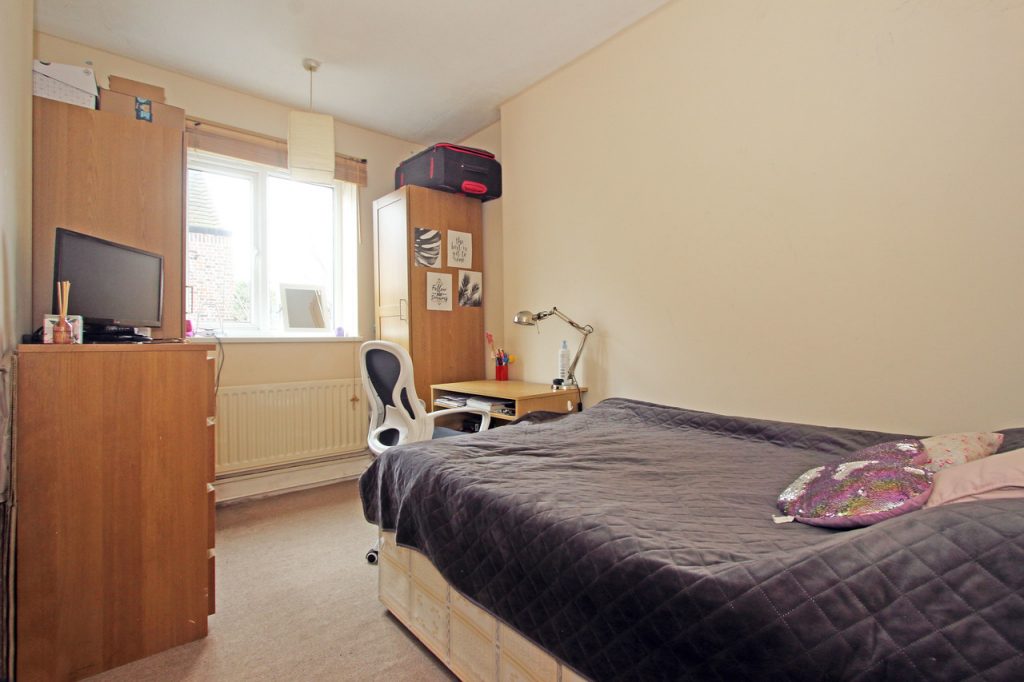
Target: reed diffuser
62	332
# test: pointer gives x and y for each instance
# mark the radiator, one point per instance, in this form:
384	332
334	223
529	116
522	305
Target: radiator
269	425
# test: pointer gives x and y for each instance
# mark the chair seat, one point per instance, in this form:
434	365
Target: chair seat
444	432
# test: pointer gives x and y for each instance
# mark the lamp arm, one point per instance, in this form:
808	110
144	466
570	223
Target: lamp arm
584	329
569	321
579	351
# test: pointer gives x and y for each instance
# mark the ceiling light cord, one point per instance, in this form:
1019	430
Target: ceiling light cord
311	65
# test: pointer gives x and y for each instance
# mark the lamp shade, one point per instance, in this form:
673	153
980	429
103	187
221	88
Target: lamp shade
311	146
525	318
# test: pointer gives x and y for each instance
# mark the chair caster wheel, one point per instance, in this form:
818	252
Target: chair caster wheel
371	556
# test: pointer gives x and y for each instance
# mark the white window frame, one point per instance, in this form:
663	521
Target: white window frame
344	300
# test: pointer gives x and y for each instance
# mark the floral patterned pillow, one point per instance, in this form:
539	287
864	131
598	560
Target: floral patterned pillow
958	448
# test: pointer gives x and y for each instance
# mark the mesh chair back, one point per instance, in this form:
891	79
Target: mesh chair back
395	413
383	369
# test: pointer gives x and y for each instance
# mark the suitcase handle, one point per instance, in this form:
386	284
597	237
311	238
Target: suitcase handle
482	153
470	187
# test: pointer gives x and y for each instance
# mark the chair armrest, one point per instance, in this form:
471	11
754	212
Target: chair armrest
485	422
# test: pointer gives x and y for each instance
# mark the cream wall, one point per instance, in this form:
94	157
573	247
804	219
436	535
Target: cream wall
254	363
809	211
15	171
494	291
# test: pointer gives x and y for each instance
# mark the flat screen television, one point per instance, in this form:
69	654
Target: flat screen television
113	286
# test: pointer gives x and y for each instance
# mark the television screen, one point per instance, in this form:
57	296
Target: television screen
111	284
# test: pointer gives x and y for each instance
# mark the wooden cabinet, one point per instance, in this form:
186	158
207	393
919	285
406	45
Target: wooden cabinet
444	345
112	177
113	455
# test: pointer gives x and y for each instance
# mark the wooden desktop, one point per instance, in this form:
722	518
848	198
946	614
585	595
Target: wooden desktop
528	397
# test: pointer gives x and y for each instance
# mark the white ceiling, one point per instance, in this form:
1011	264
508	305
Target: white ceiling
420	70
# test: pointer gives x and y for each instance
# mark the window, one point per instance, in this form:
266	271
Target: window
255	234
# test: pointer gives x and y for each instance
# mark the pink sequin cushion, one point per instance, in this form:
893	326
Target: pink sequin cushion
902	451
856	493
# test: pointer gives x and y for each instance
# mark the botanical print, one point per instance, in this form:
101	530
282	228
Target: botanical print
439	291
471	289
427	246
460	249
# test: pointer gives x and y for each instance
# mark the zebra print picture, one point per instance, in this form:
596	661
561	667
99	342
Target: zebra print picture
471	289
427	247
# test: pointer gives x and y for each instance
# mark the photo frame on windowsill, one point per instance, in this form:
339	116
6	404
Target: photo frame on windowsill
302	308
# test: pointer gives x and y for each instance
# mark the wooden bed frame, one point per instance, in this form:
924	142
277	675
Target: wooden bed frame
471	642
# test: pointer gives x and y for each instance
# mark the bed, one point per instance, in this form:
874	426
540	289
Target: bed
636	541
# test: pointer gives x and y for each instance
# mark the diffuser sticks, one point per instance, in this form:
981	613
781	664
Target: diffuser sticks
62	328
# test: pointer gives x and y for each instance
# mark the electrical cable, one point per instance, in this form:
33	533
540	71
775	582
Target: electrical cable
223	356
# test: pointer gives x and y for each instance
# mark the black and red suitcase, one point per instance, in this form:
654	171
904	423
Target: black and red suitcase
453	168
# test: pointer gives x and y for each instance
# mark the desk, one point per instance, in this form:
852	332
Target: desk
528	397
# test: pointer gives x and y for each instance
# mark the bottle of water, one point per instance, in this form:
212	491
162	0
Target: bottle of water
563	361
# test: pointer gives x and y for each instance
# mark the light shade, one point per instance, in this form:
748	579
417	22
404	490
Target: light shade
525	318
311	146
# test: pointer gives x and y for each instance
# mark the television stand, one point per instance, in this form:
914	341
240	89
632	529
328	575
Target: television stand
115	517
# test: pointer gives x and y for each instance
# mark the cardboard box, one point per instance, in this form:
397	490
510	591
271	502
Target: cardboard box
142	109
154	93
64	83
76	327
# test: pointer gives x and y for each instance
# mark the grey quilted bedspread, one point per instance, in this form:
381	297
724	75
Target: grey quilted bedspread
635	541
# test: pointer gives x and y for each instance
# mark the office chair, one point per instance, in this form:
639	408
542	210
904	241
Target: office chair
396	414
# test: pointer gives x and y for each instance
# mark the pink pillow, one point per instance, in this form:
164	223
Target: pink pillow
995	477
959	448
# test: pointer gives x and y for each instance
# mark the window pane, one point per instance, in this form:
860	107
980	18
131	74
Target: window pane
300	243
220	248
252	230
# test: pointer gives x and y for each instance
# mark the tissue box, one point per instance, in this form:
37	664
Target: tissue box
50	320
65	83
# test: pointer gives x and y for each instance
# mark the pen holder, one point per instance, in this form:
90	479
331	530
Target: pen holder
501	372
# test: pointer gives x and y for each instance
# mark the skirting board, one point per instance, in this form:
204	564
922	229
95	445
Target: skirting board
471	642
243	486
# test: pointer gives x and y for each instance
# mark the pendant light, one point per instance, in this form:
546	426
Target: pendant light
311	139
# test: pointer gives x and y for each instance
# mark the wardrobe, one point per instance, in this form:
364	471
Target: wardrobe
428	274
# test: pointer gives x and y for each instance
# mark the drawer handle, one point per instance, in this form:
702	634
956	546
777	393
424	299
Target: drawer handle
211	421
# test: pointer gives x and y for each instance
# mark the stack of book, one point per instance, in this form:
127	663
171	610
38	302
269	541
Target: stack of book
451	400
491	404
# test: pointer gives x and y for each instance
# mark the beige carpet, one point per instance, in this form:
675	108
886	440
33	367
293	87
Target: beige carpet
296	600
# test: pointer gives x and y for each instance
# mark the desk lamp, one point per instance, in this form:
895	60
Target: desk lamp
528	319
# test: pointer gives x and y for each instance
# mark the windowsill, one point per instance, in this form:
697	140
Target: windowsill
275	339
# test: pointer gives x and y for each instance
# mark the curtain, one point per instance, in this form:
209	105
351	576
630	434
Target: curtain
240	144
